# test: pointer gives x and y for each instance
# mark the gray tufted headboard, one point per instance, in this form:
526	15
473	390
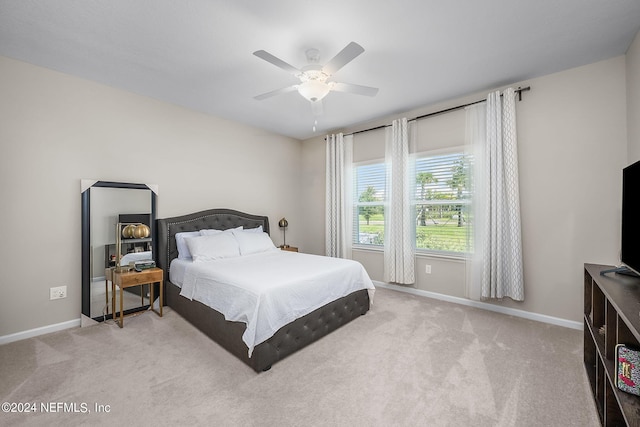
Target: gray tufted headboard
219	219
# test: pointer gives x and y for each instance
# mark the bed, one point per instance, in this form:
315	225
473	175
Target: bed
289	338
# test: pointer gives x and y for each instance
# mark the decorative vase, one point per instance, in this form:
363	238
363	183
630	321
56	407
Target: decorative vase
127	231
141	231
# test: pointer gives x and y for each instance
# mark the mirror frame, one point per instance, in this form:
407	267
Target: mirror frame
86	186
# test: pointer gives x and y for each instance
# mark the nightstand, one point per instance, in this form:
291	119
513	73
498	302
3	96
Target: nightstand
135	278
289	248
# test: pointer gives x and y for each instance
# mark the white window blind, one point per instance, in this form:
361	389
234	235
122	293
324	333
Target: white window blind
369	199
443	201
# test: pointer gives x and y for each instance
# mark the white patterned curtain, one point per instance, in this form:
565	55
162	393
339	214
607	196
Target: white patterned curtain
399	237
497	264
338	196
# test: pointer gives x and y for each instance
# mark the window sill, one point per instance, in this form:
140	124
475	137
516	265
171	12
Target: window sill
368	248
420	253
451	256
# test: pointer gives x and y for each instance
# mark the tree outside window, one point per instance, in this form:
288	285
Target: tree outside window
442	201
442	198
368	227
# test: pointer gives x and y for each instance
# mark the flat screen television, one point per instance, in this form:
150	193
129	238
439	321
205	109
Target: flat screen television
630	246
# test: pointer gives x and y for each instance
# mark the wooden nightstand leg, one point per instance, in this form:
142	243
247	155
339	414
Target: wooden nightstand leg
152	301
121	307
113	300
151	286
106	292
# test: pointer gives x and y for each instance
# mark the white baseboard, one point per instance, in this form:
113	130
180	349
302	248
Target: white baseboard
483	305
456	300
5	339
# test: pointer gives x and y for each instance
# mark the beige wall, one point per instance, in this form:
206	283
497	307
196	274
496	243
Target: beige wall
572	148
633	99
577	129
56	129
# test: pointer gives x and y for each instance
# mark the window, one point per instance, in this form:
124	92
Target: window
442	199
369	199
443	202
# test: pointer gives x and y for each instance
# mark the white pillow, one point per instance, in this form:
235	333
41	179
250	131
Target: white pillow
258	229
183	250
252	243
212	247
211	231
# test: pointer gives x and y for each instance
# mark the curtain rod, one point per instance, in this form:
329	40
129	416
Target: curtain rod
518	91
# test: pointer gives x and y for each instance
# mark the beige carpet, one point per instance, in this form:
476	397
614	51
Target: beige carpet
410	361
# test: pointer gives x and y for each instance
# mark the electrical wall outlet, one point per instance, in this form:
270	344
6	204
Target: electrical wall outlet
58	292
427	269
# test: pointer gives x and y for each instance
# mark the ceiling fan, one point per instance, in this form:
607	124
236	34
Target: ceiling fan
316	80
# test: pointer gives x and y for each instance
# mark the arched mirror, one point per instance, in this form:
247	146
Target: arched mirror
106	208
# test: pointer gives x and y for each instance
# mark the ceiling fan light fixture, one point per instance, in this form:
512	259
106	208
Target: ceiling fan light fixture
313	90
316	80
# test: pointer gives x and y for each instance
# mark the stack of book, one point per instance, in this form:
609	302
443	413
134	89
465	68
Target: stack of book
144	264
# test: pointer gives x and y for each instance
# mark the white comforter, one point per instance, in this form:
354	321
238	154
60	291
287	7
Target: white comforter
270	289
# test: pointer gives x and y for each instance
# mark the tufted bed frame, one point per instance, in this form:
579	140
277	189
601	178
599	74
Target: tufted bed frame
289	338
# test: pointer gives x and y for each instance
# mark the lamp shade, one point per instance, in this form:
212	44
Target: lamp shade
313	90
283	223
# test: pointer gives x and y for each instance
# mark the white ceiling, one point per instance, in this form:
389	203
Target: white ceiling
198	53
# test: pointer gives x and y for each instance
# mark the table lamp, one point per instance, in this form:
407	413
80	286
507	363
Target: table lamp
283	223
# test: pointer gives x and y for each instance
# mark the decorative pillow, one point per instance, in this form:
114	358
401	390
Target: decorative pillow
212	247
183	250
211	231
252	243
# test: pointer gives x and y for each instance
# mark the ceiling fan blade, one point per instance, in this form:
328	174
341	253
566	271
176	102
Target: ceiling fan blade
317	108
343	57
357	89
276	92
277	62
